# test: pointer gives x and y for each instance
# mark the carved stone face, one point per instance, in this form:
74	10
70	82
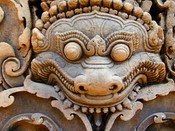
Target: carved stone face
99	59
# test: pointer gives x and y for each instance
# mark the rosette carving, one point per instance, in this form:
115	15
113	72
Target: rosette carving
10	64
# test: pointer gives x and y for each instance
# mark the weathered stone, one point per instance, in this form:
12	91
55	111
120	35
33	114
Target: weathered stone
89	64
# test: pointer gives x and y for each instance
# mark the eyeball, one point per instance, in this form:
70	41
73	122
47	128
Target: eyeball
120	52
72	51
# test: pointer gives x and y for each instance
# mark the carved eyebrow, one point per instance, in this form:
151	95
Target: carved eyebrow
123	35
73	34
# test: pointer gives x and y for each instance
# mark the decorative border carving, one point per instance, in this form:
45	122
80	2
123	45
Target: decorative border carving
46	92
34	119
159	117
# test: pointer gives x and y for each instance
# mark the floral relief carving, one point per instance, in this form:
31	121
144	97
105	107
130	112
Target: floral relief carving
98	60
15	48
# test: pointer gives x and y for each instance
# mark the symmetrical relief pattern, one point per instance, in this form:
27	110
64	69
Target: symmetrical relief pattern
98	60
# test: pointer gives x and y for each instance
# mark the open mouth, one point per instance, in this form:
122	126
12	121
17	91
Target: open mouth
49	71
145	72
99	97
125	103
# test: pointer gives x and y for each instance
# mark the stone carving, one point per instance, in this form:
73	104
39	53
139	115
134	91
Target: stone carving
96	82
1	14
31	121
15	48
98	60
159	118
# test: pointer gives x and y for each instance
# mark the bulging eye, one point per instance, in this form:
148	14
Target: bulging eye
120	52
73	51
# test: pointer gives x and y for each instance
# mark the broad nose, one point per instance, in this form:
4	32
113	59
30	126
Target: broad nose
98	83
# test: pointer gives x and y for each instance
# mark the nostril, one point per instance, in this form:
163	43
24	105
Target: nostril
113	87
82	88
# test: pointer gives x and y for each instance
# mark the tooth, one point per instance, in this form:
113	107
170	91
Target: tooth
147	64
67	104
62	96
132	75
64	82
58	74
135	73
62	79
112	109
76	107
133	95
125	84
57	88
130	79
119	107
91	110
127	104
84	109
105	110
137	88
98	110
67	85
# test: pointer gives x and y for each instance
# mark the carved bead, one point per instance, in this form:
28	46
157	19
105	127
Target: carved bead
120	52
123	15
105	110
67	104
84	109
128	7
107	3
95	2
61	15
146	17
72	51
47	24
53	10
91	110
78	11
104	9
111	11
95	8
53	19
72	4
62	6
39	24
83	3
137	12
70	13
86	9
119	107
127	104
117	4
45	17
112	109
44	6
98	110
53	3
76	107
